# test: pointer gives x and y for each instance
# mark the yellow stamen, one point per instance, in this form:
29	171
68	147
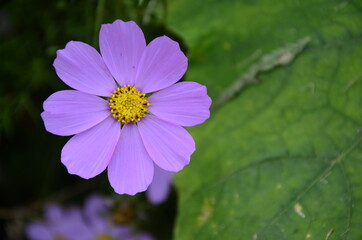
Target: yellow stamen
58	238
104	237
128	104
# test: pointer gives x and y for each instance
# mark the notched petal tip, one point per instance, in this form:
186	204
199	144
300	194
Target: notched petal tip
177	144
176	169
126	22
70	112
121	45
67	46
129	192
73	171
184	103
44	116
87	154
47	125
76	173
162	64
104	26
81	67
131	169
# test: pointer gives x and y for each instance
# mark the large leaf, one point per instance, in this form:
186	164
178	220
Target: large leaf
282	160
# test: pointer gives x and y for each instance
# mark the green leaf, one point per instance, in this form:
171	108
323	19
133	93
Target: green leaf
282	160
276	58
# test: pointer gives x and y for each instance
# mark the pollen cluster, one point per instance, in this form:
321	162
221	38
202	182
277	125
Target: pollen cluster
128	104
104	237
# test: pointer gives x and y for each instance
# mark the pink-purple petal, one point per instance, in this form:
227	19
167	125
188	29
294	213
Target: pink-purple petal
87	154
122	44
95	211
184	103
170	146
95	206
160	186
53	213
73	226
121	232
39	231
131	169
162	64
70	112
81	67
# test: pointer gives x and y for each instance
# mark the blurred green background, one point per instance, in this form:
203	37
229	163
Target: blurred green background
281	156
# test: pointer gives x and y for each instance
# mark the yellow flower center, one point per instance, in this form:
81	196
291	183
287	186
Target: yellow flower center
128	104
58	238
104	237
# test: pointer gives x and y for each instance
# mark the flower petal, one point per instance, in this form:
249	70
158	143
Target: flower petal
162	64
122	44
160	186
39	231
121	232
81	67
95	211
70	112
88	153
170	146
131	169
184	103
74	226
95	206
53	213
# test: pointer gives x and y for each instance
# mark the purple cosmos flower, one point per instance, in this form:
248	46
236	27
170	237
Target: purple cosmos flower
93	223
127	111
59	224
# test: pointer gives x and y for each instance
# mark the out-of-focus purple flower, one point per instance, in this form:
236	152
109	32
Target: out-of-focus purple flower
59	224
160	186
93	223
139	121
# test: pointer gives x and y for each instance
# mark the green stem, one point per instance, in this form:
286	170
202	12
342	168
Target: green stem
98	20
